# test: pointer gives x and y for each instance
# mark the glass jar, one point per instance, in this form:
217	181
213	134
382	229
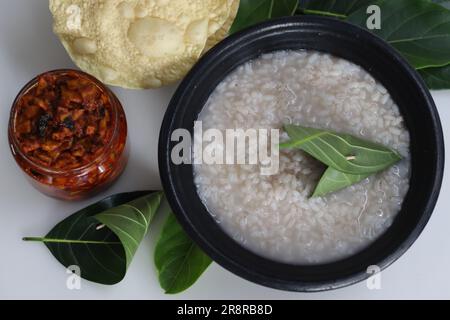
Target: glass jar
68	133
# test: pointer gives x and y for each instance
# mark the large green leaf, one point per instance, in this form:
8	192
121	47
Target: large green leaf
180	262
103	238
342	152
437	78
255	11
337	8
419	29
333	180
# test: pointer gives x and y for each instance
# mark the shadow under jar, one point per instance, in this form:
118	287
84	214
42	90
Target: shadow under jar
68	133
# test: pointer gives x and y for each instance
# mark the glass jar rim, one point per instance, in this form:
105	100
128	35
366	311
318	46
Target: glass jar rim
14	144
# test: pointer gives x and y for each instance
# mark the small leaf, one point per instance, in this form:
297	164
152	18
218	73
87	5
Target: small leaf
418	29
254	11
436	78
342	152
103	238
180	262
333	180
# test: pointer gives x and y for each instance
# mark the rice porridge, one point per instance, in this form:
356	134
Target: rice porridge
274	216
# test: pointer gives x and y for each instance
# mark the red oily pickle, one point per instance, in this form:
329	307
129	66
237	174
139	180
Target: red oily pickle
69	134
63	122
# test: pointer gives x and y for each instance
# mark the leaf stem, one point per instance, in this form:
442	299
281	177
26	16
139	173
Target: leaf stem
48	240
322	13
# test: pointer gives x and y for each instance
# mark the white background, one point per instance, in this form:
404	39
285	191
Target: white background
28	270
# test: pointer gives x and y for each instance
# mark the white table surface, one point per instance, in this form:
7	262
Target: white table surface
29	271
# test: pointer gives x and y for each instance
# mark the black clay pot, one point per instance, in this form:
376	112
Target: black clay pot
342	40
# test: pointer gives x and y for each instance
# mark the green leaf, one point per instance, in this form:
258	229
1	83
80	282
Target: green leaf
282	8
103	238
419	29
342	152
340	8
333	180
254	11
444	3
436	78
179	261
